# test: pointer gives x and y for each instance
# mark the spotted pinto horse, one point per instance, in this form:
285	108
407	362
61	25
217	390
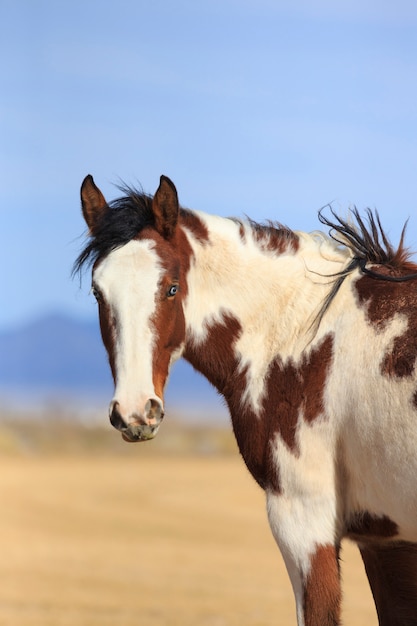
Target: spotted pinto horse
312	341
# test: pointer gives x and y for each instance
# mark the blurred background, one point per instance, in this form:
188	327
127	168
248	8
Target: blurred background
269	109
266	108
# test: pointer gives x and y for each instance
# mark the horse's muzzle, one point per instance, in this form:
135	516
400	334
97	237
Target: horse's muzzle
138	428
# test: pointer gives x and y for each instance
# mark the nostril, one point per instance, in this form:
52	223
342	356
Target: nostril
116	419
154	411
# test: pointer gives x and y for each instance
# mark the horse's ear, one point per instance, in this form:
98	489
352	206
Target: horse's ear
165	208
93	203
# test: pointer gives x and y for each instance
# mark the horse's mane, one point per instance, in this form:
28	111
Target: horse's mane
367	241
125	217
270	236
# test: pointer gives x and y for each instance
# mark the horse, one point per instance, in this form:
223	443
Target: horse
311	339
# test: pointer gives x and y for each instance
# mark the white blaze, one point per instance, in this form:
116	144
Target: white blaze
128	279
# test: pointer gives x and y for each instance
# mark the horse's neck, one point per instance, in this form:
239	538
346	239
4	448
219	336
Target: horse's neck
248	302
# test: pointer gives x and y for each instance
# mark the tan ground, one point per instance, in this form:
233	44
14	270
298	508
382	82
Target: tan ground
143	540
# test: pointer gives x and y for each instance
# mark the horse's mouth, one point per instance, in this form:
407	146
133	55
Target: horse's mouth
135	434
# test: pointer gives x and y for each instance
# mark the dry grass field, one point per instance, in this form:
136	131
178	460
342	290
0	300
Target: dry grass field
145	534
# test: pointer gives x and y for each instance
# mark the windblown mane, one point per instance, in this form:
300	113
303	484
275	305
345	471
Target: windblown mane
368	242
126	216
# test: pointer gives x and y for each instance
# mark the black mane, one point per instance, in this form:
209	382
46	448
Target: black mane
122	220
126	216
367	241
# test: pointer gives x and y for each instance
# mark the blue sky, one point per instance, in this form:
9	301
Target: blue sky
257	107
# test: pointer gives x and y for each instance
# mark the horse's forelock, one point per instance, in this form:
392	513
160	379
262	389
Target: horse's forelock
122	221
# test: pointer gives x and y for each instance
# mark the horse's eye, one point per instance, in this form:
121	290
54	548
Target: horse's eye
172	291
96	293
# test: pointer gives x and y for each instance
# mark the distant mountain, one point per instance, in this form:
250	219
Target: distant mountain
58	356
54	352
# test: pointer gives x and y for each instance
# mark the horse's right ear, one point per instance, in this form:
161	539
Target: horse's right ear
93	203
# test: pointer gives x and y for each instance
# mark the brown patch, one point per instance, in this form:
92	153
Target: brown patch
392	574
322	593
107	329
175	255
193	223
169	324
168	321
242	233
108	334
216	360
297	388
363	526
290	389
381	301
275	239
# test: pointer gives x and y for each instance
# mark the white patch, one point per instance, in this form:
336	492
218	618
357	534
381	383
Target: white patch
361	455
376	424
275	298
261	289
304	516
128	278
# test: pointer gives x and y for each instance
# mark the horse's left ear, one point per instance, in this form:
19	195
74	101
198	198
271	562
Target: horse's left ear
165	208
93	203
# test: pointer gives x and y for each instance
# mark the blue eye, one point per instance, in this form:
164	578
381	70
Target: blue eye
172	291
96	293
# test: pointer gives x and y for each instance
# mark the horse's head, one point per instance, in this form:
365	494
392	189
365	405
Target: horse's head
139	283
